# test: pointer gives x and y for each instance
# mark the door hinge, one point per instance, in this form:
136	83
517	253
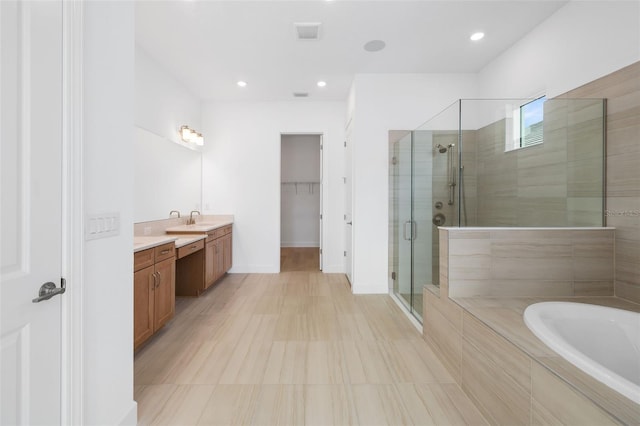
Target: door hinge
345	253
393	275
320	216
345	144
320	147
320	251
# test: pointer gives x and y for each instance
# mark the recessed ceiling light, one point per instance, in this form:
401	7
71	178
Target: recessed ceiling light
374	45
242	83
322	83
477	36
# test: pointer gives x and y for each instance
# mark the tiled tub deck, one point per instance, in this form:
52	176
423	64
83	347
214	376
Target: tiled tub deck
509	373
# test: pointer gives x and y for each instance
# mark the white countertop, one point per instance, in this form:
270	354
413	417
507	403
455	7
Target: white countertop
185	239
181	235
143	243
199	227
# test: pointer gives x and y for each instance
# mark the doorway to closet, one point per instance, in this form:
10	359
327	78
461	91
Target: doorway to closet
300	202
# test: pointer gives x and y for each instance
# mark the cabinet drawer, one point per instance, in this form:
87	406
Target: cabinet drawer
142	259
165	251
227	229
190	248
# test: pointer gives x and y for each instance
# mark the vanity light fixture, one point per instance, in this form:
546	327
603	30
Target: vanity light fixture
242	83
477	36
322	83
188	135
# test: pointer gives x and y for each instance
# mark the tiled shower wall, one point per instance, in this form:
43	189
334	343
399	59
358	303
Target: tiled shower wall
497	174
556	183
622	91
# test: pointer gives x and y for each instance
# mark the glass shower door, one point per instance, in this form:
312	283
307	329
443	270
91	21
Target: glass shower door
401	167
422	232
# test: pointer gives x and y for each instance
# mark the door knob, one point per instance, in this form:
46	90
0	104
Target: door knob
349	223
48	290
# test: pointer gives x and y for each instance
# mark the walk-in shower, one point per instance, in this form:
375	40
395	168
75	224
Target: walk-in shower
500	163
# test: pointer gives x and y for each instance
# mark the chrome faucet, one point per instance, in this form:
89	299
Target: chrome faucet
192	221
174	211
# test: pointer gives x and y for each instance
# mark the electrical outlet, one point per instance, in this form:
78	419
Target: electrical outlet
101	226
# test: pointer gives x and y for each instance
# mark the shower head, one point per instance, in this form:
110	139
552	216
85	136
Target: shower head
441	149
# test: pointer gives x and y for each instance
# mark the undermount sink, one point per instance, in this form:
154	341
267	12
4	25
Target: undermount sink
197	227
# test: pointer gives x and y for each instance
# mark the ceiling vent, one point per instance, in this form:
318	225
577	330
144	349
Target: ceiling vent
300	94
307	30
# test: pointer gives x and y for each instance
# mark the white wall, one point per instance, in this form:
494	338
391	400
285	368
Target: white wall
241	174
108	67
385	102
581	42
300	203
162	103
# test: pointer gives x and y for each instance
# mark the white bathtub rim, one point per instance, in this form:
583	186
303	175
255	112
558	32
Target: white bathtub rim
559	345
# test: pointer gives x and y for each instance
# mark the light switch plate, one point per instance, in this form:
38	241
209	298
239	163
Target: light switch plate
101	225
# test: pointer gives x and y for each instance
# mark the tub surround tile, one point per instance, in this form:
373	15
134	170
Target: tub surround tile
499	350
443	336
504	319
482	338
562	402
497	395
593	288
608	399
529	262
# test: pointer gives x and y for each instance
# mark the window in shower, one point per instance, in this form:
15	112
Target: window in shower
531	122
524	124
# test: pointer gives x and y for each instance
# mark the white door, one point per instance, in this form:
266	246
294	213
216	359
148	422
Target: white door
348	221
31	148
320	189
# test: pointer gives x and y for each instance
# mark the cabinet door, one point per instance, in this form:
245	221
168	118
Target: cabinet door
165	292
209	263
227	252
218	259
143	293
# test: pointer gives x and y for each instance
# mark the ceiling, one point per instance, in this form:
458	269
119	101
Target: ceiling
210	45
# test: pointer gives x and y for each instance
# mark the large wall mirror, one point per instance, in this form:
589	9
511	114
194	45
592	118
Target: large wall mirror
168	176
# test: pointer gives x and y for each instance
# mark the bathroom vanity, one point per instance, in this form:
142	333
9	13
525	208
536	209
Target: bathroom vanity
203	262
153	289
178	260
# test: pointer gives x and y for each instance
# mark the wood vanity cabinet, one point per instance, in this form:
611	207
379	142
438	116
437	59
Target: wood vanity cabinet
153	290
217	254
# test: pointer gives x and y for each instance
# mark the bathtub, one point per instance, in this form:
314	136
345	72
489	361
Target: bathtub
601	341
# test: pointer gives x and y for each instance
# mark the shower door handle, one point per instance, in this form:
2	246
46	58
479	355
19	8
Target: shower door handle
413	232
404	231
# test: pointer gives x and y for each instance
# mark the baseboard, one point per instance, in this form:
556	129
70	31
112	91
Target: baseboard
131	418
299	244
255	269
333	269
369	289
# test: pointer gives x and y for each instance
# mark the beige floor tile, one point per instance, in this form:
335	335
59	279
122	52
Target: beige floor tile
230	405
303	350
184	406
